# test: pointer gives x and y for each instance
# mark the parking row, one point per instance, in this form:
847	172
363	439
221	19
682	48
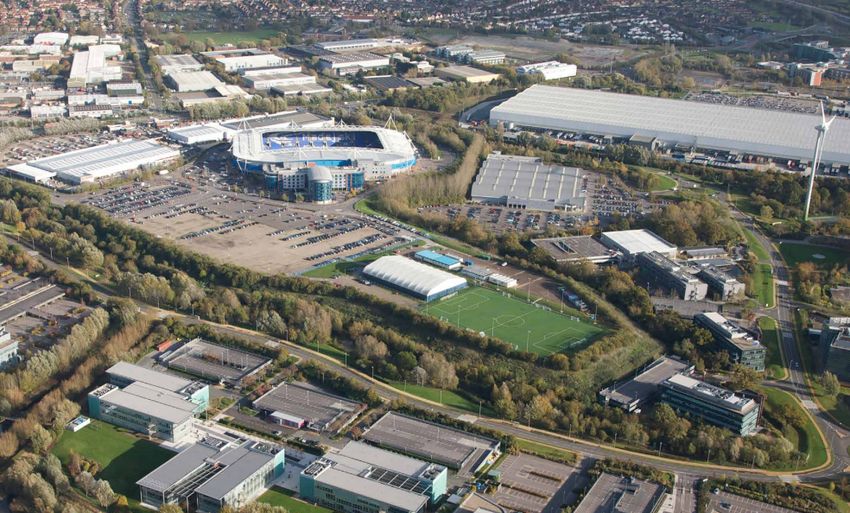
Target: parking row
336	250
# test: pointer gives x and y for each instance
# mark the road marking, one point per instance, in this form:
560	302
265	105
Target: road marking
809	405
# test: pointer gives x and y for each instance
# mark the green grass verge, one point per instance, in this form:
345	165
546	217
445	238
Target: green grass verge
755	246
285	499
808	438
449	397
123	458
546	451
223	38
526	326
795	253
770	338
763	284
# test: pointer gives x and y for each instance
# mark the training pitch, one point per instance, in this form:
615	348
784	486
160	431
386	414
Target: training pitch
527	326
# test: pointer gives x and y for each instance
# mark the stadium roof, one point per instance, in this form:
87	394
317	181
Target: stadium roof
638	241
766	132
281	119
411	275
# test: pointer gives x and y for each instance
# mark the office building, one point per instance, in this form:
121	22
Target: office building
145	409
713	404
622	494
669	275
549	70
577	248
835	347
213	473
722	283
361	478
631	394
8	350
123	374
742	347
631	243
485	57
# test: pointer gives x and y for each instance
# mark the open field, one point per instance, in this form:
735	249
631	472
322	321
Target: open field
223	38
527	326
123	458
763	285
283	498
808	441
770	338
822	256
546	451
448	397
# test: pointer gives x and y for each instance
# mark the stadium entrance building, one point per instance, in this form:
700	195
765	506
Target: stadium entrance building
307	159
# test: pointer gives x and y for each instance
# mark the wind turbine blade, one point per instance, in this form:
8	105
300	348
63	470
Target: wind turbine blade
830	121
822	112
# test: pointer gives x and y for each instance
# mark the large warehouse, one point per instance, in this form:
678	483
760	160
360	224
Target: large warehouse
104	161
377	152
526	182
751	131
420	280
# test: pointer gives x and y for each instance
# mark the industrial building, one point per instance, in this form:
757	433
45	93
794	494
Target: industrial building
711	403
500	280
301	405
145	409
351	45
528	183
631	243
378	153
418	280
123	374
750	131
578	248
447	262
215	472
362	478
91	66
188	81
199	134
835	347
225	92
549	70
169	64
8	350
722	283
626	494
466	74
220	364
104	161
670	275
264	80
90	111
485	57
742	347
462	451
388	82
16	301
633	393
350	63
248	58
303	89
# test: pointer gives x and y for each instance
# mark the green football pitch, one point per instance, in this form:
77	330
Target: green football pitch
527	326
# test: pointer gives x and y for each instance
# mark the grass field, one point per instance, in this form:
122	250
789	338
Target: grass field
123	458
223	38
347	266
808	440
283	498
770	338
526	326
448	397
763	283
546	451
823	257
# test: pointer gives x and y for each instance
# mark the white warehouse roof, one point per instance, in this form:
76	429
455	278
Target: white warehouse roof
633	242
787	135
410	275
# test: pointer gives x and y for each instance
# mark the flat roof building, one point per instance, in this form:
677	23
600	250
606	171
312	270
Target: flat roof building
123	374
634	392
419	280
633	242
763	132
577	248
199	134
460	450
349	63
91	66
485	57
298	405
305	89
466	74
388	82
549	70
835	347
106	160
222	364
249	58
742	347
722	283
8	350
362	478
188	81
213	473
621	494
264	81
528	183
178	63
438	259
711	403
668	274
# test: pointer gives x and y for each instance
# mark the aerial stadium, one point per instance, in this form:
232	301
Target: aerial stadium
347	156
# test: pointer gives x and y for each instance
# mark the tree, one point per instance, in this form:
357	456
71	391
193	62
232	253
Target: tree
503	402
170	508
830	383
103	493
9	213
792	415
743	377
440	372
370	348
41	439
